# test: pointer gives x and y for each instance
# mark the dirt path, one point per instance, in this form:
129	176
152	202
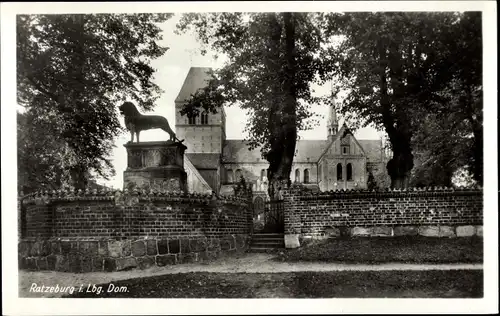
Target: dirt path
249	263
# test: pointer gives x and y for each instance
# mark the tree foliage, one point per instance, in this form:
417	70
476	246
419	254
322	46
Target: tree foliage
40	153
72	71
450	136
398	67
417	76
272	60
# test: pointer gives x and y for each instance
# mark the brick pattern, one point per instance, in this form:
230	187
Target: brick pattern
39	221
312	214
137	217
112	231
163	220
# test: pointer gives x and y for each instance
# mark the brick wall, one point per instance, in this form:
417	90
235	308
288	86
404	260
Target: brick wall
192	227
381	213
38	221
135	216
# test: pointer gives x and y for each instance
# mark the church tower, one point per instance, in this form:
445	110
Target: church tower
333	123
204	133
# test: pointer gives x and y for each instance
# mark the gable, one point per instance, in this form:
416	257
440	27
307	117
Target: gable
335	137
349	141
346	137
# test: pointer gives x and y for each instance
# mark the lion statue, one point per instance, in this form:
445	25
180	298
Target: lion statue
137	122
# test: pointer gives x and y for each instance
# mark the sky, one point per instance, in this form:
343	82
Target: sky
172	68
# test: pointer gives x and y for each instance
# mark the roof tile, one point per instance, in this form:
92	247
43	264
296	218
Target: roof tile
204	160
372	148
236	150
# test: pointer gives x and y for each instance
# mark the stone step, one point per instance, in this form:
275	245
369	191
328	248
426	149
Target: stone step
280	239
266	246
272	239
263	242
267	241
268	235
263	249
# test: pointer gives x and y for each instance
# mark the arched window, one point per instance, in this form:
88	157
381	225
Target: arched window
297	175
262	174
345	149
349	172
204	118
230	176
339	171
306	176
192	120
238	175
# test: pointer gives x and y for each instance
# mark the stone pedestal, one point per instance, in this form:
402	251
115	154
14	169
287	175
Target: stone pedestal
157	165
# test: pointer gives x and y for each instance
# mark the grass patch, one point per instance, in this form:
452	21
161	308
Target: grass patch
341	284
391	284
405	249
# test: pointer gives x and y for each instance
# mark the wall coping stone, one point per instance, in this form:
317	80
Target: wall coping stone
305	195
47	197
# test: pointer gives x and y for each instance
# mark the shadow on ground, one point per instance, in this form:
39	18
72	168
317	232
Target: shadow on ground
338	284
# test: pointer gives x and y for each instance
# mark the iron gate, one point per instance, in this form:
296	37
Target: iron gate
273	216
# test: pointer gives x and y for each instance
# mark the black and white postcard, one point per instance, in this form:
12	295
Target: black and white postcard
249	157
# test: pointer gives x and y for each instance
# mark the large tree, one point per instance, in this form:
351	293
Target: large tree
450	137
272	60
396	68
72	71
40	153
439	150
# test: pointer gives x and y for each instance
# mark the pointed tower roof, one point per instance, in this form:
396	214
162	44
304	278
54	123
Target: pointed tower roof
333	123
332	115
197	78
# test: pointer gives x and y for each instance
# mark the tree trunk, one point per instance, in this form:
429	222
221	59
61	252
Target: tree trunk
399	168
290	100
272	59
478	157
79	171
401	163
396	122
284	134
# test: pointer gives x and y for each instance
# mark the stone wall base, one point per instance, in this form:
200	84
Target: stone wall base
93	255
292	241
386	231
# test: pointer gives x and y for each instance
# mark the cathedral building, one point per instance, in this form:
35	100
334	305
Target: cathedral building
214	163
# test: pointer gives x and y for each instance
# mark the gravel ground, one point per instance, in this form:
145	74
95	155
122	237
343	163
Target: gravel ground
244	263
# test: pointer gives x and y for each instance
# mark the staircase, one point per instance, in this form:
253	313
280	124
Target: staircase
263	242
